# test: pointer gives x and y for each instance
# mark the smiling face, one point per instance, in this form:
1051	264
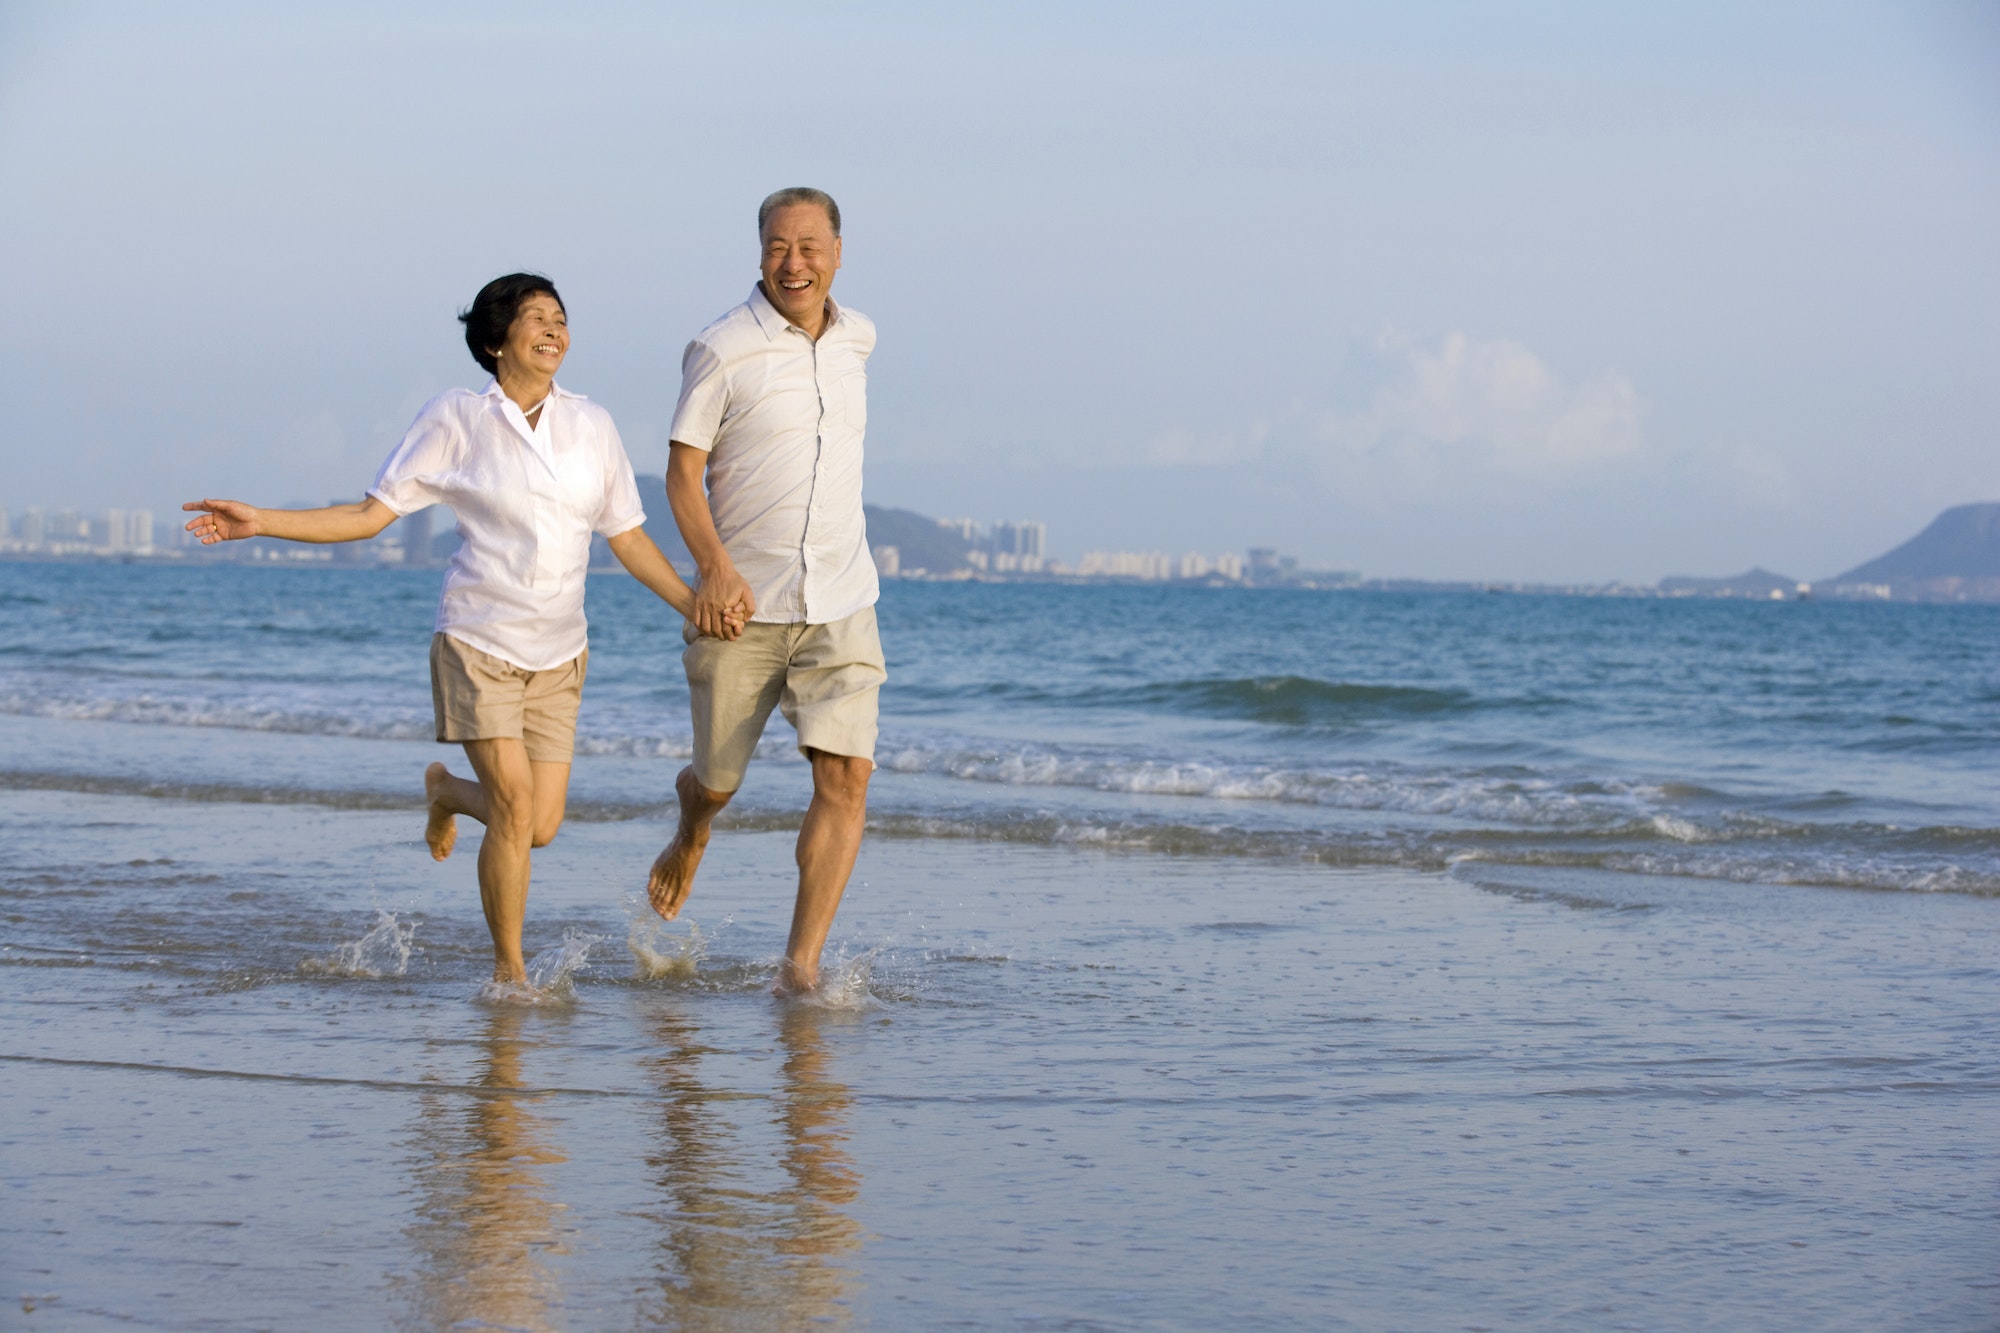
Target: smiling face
537	340
801	254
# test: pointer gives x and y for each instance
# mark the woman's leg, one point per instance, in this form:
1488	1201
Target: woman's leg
504	800
496	800
450	796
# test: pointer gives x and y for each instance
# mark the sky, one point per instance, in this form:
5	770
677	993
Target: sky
1500	291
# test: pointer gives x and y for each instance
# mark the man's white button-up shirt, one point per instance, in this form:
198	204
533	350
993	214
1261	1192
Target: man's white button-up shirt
781	417
527	500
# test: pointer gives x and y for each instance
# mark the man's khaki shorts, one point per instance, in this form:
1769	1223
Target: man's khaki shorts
480	697
824	677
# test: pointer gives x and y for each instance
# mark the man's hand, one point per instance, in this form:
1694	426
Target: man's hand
723	603
221	520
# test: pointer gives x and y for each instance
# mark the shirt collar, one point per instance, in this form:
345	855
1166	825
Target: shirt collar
773	323
492	390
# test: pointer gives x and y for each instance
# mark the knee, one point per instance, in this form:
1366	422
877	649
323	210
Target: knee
513	819
543	836
842	779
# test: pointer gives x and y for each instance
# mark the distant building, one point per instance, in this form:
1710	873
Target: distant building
1022	538
126	531
417	536
1016	546
1127	564
1195	565
1229	565
888	561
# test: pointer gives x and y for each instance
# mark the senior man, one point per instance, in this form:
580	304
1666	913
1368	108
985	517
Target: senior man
772	410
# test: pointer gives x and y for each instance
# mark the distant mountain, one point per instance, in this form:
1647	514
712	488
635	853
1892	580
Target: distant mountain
920	543
1757	583
1955	559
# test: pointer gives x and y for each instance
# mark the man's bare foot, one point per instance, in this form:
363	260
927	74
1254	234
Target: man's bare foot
672	876
440	828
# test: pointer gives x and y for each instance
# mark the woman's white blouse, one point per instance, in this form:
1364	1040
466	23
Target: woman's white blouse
527	501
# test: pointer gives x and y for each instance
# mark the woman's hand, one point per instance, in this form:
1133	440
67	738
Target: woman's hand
222	520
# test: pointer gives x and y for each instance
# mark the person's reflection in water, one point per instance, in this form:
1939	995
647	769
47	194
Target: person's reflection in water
486	1223
743	1252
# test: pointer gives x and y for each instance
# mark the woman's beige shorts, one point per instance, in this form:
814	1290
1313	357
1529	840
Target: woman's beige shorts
480	697
824	677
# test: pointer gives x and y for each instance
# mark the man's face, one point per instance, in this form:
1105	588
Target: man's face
801	254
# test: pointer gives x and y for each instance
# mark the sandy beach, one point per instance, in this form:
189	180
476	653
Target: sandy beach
1051	1087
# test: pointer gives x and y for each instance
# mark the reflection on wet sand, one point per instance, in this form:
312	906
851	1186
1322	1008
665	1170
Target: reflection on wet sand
745	1248
486	1222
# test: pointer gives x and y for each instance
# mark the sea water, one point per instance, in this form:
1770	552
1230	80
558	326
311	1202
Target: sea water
1217	957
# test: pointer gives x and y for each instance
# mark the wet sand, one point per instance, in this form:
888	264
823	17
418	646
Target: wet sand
1051	1087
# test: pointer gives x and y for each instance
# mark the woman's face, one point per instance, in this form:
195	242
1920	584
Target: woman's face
538	339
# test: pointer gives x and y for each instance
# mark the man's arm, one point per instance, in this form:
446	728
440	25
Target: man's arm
232	520
720	587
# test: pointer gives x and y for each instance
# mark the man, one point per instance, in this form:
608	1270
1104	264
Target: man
772	410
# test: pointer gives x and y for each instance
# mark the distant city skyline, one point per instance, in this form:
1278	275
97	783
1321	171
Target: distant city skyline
1530	291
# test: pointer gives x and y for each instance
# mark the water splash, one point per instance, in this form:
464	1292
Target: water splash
843	985
551	973
658	955
383	952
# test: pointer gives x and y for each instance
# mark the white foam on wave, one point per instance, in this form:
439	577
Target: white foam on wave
1508	799
384	951
149	709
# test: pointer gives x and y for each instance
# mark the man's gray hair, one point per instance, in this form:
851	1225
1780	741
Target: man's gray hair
798	194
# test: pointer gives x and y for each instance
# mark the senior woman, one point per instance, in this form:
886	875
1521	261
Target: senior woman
531	470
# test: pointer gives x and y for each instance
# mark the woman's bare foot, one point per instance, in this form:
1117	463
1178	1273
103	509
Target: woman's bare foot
440	828
795	979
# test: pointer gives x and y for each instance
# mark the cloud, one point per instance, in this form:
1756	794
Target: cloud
1459	405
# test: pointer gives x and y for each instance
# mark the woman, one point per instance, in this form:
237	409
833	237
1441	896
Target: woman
532	471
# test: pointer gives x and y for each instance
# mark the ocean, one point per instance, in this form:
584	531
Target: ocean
1217	957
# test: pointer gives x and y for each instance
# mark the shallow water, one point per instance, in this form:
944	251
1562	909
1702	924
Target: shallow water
1096	1053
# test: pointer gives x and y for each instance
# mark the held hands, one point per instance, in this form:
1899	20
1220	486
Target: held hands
222	520
723	603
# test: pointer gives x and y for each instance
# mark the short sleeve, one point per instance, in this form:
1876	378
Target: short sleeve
620	510
412	475
704	398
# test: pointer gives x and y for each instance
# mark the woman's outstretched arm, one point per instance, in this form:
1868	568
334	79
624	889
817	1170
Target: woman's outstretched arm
232	520
644	561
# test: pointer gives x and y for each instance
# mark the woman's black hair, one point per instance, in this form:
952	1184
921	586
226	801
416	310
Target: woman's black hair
493	311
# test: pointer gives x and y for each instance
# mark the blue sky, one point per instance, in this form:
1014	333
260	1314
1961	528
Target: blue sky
1545	291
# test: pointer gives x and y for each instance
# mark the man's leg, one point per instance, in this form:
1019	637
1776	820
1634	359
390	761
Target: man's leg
673	870
829	840
733	684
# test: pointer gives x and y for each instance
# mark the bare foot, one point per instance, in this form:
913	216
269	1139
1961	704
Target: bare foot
441	828
795	979
672	876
